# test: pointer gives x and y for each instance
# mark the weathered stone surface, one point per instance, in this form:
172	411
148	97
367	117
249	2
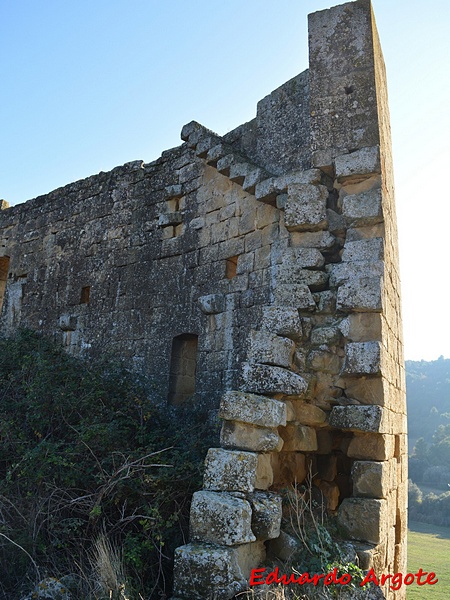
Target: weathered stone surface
366	390
330	491
228	470
322	240
292	273
249	408
363	519
212	304
363	209
345	272
208	572
282	321
367	250
264	472
324	361
266	514
283	547
362	327
362	294
296	295
328	335
68	322
51	588
362	358
305	208
372	446
298	437
270	349
304	258
308	414
365	161
220	518
371	479
266	379
343	94
326	301
288	468
248	437
372	419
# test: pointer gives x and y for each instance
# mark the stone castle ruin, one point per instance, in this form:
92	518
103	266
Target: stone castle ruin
258	273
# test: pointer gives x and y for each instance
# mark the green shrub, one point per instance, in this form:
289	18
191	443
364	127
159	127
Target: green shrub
87	449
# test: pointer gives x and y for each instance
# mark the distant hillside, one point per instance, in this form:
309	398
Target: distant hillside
428	396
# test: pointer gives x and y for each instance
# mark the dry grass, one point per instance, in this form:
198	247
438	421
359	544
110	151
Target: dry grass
107	568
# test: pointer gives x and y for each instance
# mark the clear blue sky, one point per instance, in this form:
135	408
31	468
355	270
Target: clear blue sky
90	84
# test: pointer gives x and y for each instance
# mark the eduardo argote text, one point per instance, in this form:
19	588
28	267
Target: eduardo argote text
394	580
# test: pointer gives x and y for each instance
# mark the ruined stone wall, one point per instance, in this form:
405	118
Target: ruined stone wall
150	247
259	268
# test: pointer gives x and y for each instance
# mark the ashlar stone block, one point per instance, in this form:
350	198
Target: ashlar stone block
297	295
321	240
324	361
345	272
363	209
308	414
362	327
365	161
372	446
220	518
253	409
209	572
367	250
230	470
368	390
282	321
371	479
298	437
248	437
362	358
270	349
374	419
264	472
267	379
266	514
305	208
361	295
364	519
291	273
303	257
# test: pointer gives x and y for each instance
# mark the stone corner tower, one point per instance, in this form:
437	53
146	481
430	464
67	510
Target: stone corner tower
322	384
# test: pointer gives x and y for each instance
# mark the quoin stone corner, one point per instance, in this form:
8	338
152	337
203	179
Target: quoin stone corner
256	272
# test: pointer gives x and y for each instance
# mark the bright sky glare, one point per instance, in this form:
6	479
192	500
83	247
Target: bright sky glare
91	84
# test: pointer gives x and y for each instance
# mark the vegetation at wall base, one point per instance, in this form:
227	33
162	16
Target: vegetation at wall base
88	452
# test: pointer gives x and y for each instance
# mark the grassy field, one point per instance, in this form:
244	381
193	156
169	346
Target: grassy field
429	549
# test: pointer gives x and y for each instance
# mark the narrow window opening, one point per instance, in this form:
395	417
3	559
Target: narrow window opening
183	366
85	294
231	267
171	220
4	268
